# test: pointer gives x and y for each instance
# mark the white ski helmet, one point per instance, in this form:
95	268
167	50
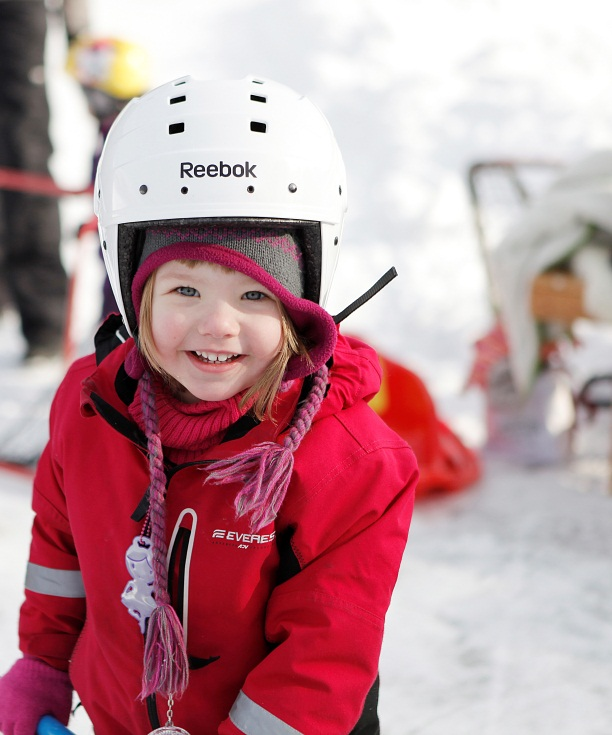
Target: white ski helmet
221	152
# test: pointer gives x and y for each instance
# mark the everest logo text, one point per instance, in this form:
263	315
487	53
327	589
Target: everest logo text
243	539
224	170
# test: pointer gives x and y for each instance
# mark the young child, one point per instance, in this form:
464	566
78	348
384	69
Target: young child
220	517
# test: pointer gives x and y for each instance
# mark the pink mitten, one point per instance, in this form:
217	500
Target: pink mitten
29	690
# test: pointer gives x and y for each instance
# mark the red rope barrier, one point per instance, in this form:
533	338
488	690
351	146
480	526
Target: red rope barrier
28	182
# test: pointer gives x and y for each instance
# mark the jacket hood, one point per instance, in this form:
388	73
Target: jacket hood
355	375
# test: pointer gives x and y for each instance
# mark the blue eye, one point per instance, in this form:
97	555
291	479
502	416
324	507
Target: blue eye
254	296
187	291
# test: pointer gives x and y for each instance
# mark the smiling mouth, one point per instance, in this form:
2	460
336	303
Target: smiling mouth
214	359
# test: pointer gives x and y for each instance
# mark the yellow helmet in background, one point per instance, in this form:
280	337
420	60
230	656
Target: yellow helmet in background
119	68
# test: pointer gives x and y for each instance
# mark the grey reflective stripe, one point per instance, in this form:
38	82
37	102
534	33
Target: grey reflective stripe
58	582
255	720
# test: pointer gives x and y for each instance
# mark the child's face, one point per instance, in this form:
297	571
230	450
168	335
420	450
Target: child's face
215	331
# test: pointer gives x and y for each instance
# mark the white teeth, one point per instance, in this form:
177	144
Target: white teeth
212	357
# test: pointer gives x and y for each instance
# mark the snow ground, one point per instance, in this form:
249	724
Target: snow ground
500	622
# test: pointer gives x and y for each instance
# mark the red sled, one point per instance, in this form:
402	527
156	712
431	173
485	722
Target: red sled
404	403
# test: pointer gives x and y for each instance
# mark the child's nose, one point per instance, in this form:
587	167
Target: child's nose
218	319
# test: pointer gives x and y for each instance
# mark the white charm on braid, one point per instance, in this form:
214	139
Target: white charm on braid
138	593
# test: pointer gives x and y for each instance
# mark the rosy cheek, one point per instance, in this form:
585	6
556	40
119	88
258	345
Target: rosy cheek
279	341
274	334
167	328
268	344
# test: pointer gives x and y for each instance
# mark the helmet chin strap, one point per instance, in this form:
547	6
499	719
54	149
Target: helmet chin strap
372	291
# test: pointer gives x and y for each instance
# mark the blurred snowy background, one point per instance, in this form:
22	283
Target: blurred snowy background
415	92
501	619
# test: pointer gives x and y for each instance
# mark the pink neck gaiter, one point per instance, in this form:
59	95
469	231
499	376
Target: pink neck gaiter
187	429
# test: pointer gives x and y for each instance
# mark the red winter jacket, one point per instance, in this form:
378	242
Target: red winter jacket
283	627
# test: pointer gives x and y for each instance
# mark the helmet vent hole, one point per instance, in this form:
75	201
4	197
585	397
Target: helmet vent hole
335	240
292	188
340	190
176	100
176	128
258	127
143	189
251	189
184	190
104	245
258	98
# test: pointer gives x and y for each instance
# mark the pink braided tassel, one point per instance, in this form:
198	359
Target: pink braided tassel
265	470
166	663
166	666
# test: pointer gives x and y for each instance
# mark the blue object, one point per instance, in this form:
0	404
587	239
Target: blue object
50	726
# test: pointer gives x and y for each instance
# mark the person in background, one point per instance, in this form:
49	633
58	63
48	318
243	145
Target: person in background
33	275
111	71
